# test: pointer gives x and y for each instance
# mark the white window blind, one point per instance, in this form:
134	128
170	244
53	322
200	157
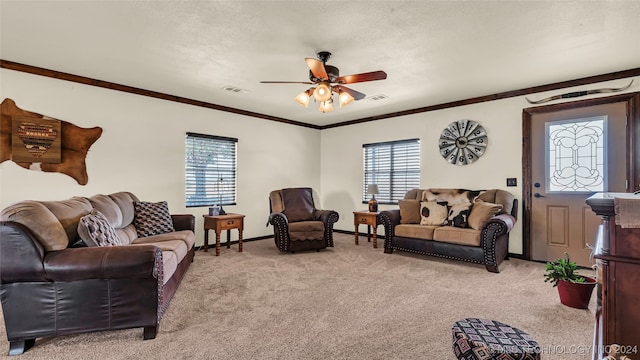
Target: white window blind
210	170
394	166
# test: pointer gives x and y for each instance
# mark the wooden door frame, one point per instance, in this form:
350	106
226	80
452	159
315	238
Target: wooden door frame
632	101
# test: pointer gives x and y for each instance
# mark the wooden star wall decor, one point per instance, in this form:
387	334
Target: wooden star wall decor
74	142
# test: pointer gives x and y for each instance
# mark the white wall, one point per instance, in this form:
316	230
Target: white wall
342	162
142	149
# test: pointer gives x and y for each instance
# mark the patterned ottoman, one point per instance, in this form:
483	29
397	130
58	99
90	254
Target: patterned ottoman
479	339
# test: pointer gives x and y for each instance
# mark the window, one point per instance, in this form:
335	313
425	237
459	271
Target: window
576	155
394	166
210	174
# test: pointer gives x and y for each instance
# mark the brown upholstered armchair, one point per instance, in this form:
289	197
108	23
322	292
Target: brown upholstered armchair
297	224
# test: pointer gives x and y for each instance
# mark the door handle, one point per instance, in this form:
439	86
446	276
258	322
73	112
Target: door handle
536	195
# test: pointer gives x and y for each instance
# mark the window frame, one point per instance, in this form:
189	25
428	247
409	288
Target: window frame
227	169
387	192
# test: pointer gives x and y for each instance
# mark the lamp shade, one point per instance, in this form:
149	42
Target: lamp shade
344	98
326	106
303	98
322	91
373	189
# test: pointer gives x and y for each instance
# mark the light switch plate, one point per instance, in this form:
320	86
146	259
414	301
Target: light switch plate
512	182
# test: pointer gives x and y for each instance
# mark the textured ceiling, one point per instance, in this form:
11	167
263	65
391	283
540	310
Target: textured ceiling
433	51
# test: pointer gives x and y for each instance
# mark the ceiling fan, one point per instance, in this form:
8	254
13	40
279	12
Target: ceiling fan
327	80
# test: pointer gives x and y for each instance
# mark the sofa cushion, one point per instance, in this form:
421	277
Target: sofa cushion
95	230
481	212
127	234
409	211
298	204
152	218
433	213
454	235
107	207
125	201
41	221
458	215
306	230
186	236
416	231
69	213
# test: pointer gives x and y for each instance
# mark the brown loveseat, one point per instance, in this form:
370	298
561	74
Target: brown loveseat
459	224
56	280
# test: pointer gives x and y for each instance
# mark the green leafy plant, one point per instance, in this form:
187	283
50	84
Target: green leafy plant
562	269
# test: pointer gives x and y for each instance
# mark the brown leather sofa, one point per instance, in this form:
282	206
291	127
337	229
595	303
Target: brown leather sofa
52	284
297	224
481	237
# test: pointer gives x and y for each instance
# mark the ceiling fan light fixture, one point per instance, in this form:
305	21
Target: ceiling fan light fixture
303	98
322	91
326	106
344	98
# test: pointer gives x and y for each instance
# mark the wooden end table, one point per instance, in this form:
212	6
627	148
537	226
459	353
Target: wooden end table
371	220
223	222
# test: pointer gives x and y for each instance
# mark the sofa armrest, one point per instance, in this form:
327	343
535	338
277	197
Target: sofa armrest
104	262
21	255
184	222
389	219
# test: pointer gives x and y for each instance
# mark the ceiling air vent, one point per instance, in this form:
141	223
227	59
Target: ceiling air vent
377	97
235	90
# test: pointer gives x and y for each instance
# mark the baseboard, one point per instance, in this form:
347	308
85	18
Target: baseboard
201	247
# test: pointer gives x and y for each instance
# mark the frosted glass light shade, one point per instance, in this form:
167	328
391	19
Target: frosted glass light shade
322	91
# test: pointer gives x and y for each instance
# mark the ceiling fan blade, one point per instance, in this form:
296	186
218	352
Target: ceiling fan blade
356	94
317	68
356	78
286	82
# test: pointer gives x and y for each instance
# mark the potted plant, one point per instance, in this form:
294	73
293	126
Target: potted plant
574	289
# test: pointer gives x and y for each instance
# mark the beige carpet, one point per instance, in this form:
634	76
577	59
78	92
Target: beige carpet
348	302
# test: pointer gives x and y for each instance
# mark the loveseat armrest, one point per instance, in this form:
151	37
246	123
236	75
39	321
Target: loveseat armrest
104	262
505	222
389	219
494	239
183	222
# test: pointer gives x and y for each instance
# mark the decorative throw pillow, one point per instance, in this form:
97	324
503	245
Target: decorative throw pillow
481	212
152	218
409	211
458	215
95	230
433	213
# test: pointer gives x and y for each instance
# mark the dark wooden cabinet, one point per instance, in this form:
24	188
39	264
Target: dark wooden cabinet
617	257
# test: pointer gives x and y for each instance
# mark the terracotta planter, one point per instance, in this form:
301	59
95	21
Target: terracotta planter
576	295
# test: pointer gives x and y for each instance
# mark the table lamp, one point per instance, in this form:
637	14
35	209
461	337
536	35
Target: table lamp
373	203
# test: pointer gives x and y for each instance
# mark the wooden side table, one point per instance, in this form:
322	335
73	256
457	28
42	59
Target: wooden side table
223	222
371	220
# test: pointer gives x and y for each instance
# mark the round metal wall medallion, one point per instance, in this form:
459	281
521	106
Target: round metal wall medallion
463	142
